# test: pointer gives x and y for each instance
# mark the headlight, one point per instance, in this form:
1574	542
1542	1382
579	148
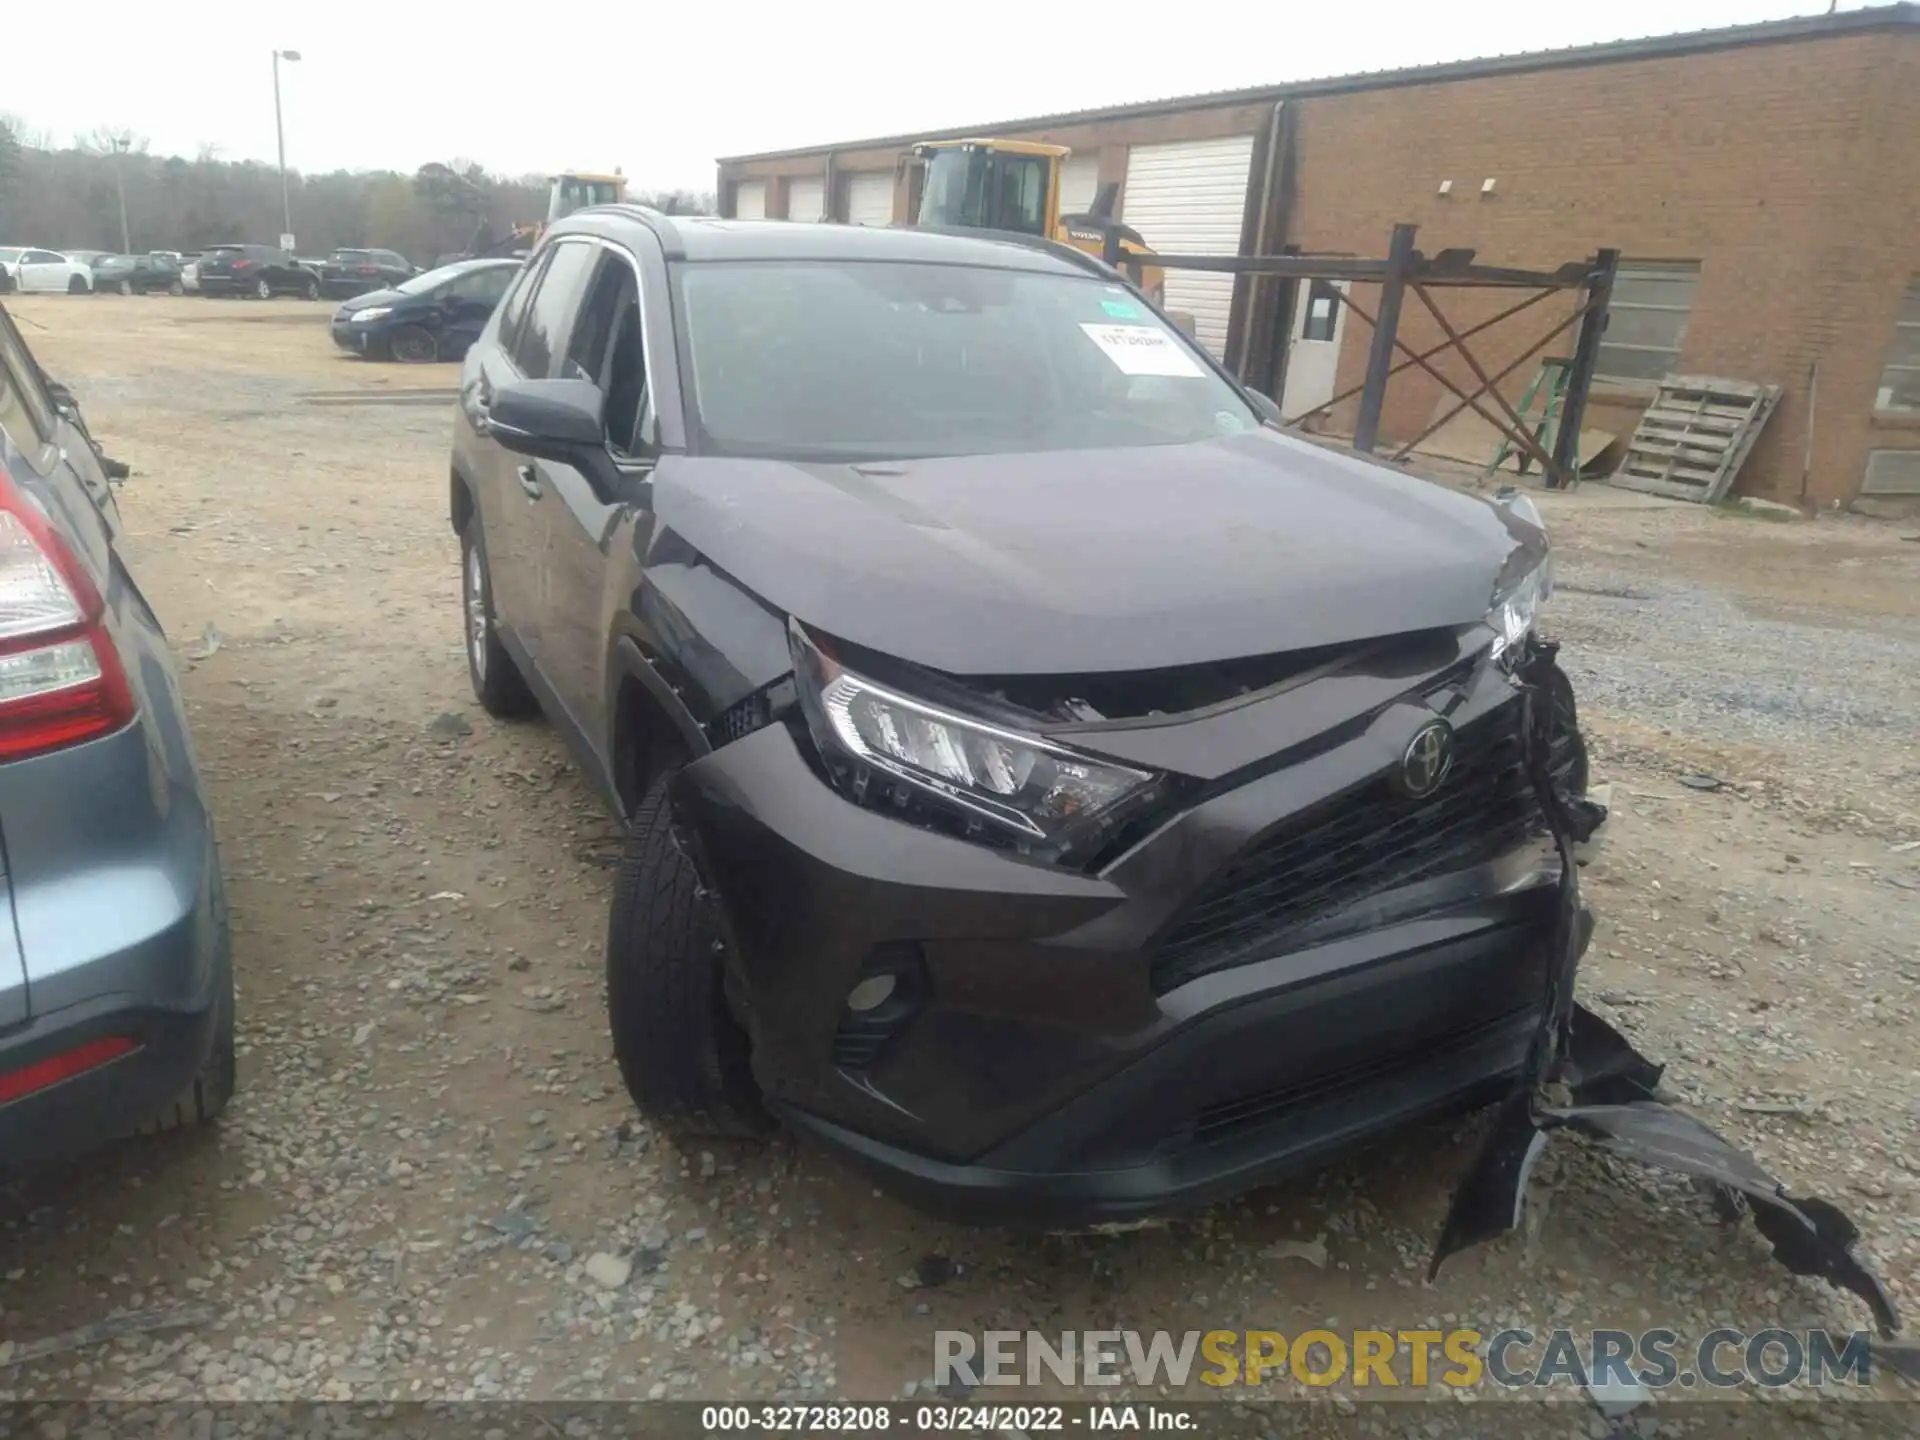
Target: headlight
994	784
1516	606
1525	582
372	312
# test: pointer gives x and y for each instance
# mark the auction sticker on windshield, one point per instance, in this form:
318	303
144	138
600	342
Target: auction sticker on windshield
1142	350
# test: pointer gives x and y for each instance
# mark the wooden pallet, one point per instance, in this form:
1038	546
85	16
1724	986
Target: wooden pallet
1695	436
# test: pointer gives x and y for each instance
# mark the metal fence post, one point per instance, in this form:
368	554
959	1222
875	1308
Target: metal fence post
1386	324
1586	354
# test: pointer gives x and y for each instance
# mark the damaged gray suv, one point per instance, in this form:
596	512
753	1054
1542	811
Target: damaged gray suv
1047	783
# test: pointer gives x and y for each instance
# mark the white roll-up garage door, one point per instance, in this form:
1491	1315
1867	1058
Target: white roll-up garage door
870	197
1188	198
750	200
806	200
1079	183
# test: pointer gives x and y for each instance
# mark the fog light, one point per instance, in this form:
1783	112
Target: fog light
871	993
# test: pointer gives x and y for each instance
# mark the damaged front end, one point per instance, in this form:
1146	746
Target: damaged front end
1583	1076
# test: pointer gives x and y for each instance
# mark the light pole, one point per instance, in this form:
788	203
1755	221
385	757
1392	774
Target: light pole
120	144
280	140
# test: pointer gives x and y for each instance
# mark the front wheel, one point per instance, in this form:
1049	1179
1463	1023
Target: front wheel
262	289
176	288
411	345
682	1054
125	287
76	286
497	682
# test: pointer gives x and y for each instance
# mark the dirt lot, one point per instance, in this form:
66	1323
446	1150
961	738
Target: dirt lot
431	1140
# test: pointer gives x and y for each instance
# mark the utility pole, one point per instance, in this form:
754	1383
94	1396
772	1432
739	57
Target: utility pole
120	144
280	141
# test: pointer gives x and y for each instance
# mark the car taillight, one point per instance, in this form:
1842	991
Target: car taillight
242	264
61	682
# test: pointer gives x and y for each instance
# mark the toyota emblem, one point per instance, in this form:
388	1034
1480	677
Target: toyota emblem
1428	758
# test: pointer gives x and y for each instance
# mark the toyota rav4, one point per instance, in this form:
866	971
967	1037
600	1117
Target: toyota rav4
1046	782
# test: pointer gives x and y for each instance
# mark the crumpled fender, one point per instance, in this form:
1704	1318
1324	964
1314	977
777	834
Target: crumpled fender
1583	1076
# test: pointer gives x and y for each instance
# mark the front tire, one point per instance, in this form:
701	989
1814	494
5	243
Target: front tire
125	287
411	345
76	286
497	682
176	288
682	1054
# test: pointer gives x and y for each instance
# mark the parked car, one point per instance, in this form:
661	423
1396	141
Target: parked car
355	272
137	274
45	271
116	979
261	271
85	257
1045	781
434	316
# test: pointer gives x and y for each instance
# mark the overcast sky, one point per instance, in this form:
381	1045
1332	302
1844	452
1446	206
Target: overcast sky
661	90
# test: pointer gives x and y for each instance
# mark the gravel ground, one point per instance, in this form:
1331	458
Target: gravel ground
432	1186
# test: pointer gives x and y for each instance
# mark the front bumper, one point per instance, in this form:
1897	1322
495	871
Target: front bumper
1066	1052
350	337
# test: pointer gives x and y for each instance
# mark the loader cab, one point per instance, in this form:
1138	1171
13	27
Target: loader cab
578	191
991	185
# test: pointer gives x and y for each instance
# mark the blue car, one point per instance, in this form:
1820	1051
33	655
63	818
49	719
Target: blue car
116	974
434	316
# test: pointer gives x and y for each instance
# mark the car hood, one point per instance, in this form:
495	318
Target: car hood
372	298
1089	561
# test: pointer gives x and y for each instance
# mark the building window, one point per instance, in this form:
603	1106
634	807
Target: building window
1647	319
1323	309
1899	390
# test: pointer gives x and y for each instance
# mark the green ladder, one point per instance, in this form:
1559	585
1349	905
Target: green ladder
1552	375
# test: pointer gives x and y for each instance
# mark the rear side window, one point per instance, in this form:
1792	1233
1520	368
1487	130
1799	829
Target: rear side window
555	299
26	414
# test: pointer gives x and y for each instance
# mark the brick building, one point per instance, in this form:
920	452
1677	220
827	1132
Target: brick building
1761	182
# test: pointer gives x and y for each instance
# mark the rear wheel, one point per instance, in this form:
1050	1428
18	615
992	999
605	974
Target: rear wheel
682	1054
262	289
125	287
176	288
311	290
497	682
76	286
411	345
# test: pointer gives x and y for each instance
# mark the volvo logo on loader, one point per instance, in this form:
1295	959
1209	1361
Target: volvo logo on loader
1428	758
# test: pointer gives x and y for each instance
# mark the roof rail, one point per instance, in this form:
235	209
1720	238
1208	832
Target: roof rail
1059	249
661	225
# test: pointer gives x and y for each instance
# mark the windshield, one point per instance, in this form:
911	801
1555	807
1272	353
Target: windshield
974	188
813	360
575	192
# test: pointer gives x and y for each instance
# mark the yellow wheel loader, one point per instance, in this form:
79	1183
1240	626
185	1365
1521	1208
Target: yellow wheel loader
571	190
1015	185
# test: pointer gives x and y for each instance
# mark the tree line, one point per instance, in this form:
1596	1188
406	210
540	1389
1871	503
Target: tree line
75	197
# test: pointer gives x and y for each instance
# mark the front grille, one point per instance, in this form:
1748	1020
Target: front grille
1364	842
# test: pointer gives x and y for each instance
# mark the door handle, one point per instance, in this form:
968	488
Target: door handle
529	481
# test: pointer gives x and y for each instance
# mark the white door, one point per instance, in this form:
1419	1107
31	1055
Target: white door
1314	355
1079	183
1188	198
870	197
750	200
43	270
806	200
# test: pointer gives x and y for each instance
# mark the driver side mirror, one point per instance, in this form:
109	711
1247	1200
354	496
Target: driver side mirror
550	420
